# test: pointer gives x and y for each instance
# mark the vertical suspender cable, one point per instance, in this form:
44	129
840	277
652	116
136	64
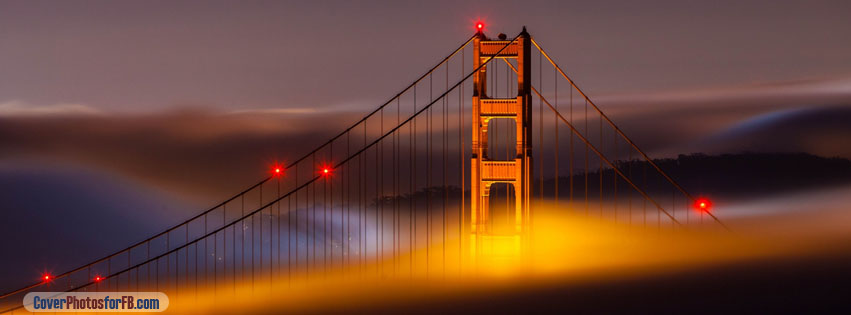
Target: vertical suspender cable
570	165
541	127
429	141
445	147
586	160
462	149
413	212
555	141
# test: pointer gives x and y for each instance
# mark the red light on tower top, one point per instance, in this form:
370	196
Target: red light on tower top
46	277
98	278
480	26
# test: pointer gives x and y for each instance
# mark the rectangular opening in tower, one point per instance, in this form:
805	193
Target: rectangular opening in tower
502	216
502	139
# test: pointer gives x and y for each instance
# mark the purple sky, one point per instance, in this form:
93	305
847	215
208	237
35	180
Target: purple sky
144	56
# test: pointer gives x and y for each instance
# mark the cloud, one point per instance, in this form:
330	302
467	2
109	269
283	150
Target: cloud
276	111
208	154
778	94
47	203
673	122
818	130
198	155
16	108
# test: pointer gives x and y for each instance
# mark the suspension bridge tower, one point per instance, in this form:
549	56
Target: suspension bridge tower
486	171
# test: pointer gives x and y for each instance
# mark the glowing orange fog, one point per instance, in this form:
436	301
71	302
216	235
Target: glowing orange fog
562	248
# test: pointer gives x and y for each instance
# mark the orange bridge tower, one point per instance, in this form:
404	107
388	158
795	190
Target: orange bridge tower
484	170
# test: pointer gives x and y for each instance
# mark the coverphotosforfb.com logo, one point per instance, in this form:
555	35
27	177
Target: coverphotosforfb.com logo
96	301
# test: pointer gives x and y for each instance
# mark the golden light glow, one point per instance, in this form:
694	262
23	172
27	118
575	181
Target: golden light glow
562	248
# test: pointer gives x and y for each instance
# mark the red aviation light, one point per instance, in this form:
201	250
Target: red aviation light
326	170
46	277
277	170
479	26
703	205
98	278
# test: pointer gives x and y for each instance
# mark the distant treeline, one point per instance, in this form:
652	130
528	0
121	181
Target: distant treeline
741	175
730	175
